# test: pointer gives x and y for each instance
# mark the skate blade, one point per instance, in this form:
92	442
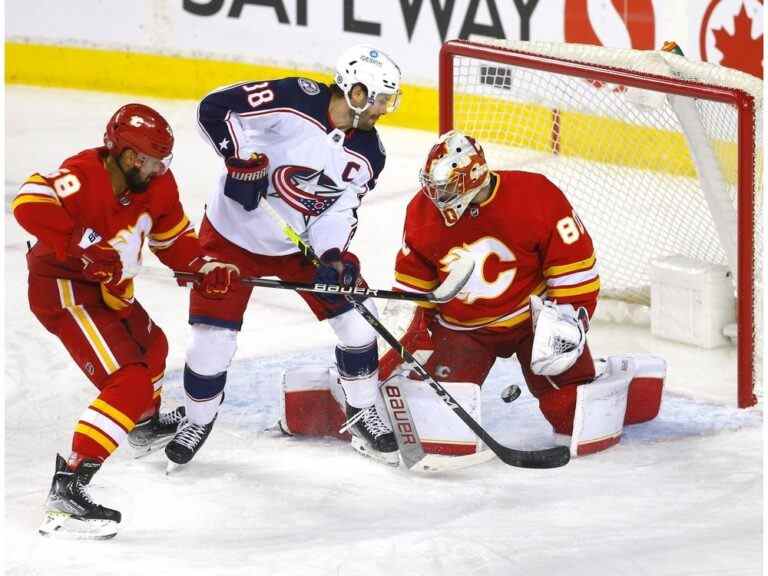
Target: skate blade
147	449
172	467
389	458
66	526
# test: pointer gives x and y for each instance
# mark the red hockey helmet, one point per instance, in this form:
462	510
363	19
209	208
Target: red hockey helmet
454	173
143	130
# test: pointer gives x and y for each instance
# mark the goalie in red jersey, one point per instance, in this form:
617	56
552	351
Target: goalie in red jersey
91	218
533	290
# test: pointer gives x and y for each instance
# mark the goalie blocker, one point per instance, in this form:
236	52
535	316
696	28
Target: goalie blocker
627	390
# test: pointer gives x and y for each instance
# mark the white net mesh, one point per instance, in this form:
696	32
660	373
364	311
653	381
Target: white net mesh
650	173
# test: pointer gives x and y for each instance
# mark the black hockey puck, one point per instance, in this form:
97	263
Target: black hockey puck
511	393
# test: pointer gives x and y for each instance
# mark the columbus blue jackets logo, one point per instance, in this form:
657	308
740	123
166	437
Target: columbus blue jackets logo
308	86
305	190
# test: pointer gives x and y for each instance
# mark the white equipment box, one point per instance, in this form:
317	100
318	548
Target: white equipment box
691	301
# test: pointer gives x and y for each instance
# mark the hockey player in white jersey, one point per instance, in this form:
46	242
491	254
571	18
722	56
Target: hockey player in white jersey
312	153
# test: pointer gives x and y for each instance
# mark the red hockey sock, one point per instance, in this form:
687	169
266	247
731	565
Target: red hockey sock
125	396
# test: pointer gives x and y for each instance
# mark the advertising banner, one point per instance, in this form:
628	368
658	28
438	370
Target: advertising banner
308	34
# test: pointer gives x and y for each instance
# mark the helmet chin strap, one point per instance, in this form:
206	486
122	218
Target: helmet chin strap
355	110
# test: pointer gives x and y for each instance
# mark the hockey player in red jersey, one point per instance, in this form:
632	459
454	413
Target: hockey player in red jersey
533	291
91	218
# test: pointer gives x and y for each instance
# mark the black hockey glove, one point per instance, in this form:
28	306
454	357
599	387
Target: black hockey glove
338	268
247	180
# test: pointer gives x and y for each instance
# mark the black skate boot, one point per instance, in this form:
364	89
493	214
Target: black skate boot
372	435
154	433
70	512
187	441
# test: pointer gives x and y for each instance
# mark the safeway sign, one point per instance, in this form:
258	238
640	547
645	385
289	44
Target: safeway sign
307	34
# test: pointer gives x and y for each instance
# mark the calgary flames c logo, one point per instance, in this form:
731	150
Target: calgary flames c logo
495	268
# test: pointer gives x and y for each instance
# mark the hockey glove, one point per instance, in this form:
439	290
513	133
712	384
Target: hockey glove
216	277
247	180
338	268
559	336
101	262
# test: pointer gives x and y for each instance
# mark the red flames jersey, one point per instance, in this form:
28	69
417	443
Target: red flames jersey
80	195
525	239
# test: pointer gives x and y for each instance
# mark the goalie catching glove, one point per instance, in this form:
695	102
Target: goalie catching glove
559	336
247	180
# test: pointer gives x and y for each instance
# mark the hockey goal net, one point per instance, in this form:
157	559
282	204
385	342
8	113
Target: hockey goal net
658	154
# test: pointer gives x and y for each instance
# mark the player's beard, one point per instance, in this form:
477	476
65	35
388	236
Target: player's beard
367	122
135	181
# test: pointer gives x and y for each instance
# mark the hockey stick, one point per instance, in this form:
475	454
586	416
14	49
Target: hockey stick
547	458
438	463
451	286
408	440
406	433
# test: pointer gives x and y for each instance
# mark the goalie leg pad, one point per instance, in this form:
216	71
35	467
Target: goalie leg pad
312	402
599	410
440	431
313	405
646	388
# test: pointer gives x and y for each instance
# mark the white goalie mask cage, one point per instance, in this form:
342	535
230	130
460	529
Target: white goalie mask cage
454	173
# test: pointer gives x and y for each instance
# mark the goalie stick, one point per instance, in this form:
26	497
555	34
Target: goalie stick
447	290
406	434
408	440
546	458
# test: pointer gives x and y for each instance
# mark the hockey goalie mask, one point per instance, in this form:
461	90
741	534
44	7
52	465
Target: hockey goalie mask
454	173
144	131
373	69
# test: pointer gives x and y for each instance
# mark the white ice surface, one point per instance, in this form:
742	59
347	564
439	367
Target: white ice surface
680	495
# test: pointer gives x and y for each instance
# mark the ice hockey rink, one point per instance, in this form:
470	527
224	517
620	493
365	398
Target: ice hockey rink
680	495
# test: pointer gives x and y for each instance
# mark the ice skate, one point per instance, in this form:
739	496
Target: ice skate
155	432
372	435
186	443
70	512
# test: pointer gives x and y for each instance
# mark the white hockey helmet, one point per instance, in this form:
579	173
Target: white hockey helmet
454	173
373	69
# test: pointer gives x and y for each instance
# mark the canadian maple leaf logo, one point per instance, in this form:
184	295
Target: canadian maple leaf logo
740	50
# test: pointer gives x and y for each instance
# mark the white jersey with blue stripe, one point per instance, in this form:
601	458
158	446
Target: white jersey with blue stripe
317	173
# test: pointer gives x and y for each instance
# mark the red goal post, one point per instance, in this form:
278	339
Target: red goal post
660	155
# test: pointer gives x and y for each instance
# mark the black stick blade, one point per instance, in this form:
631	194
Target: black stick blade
539	459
